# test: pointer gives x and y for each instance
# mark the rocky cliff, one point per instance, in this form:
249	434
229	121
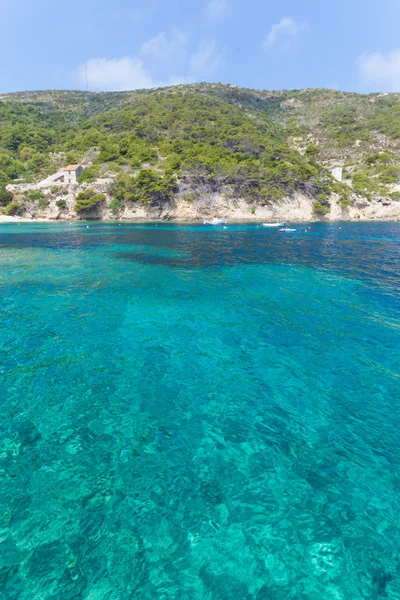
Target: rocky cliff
297	208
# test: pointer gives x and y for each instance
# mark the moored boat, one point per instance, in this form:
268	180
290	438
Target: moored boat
215	222
273	224
287	230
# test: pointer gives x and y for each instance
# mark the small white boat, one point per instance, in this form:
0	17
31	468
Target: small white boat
273	224
287	230
216	222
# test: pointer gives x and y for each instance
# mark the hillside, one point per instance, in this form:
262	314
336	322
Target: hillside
146	150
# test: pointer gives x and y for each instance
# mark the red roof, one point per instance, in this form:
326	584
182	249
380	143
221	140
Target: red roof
71	167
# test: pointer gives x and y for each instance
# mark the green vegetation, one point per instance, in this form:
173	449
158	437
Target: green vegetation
210	138
204	141
345	202
14	208
115	206
36	196
44	203
5	196
89	175
390	174
147	187
344	192
378	158
320	209
364	184
87	200
312	150
62	204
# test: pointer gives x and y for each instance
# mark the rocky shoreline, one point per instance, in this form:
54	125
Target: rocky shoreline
298	208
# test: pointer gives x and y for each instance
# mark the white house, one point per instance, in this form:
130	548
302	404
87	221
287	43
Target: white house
337	173
71	173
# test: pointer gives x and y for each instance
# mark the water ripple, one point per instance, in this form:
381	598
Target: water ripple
199	413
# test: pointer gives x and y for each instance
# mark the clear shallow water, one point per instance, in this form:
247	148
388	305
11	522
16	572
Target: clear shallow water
199	413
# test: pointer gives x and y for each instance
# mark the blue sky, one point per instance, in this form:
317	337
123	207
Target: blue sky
351	45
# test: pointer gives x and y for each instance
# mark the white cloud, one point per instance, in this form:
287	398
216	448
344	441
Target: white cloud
164	46
116	74
284	32
163	60
216	9
207	59
380	68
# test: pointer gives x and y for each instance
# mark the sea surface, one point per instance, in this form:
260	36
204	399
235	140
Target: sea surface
193	412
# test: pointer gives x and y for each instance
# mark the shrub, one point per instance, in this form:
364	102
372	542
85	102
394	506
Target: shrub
345	202
115	206
70	159
36	196
62	204
43	202
108	151
270	194
253	211
14	208
364	185
189	197
390	175
373	159
25	153
146	187
37	162
88	199
5	196
89	175
320	209
312	150
344	191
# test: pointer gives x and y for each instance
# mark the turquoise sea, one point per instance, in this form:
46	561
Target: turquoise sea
192	413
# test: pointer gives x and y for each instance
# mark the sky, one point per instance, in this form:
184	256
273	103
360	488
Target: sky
351	45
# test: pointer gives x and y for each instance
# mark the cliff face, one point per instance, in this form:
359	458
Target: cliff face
296	208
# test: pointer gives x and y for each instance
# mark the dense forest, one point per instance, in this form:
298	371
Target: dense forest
257	145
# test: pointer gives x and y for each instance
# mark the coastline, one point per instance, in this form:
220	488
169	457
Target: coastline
15	220
9	219
296	209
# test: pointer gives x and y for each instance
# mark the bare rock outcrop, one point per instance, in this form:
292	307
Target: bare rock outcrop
59	204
